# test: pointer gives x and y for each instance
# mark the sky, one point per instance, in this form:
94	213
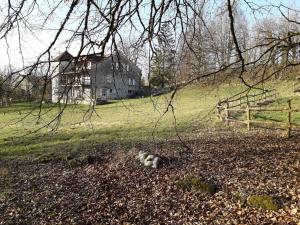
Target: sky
35	40
36	36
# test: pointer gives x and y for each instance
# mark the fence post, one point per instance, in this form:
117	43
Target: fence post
294	86
227	113
289	117
248	117
219	111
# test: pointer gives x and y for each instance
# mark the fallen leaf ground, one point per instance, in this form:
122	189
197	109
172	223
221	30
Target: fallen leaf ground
116	189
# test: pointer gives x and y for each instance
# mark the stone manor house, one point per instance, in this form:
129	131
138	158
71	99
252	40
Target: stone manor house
93	78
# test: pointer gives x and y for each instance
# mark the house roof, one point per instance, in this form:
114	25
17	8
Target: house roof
95	57
65	56
92	57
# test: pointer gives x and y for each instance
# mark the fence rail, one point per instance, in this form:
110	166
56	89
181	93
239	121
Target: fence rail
296	86
245	100
225	115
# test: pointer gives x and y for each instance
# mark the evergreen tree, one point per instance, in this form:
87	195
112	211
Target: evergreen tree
162	69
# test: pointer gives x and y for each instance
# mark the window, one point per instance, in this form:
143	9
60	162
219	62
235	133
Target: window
133	82
89	65
130	81
115	65
103	92
86	80
127	68
109	79
63	79
110	90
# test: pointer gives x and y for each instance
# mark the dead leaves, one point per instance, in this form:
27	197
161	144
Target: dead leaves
110	192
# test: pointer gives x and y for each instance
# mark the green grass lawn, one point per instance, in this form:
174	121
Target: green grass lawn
285	91
121	121
281	117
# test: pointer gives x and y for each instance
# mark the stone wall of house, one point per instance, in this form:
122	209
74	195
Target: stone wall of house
115	78
111	78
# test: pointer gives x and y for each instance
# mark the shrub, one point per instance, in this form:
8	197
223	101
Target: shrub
4	172
191	183
241	198
263	201
80	161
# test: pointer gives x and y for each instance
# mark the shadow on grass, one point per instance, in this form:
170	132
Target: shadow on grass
61	143
22	106
267	118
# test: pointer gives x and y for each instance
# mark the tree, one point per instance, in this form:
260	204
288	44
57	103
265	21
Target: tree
208	43
133	50
213	37
5	88
163	62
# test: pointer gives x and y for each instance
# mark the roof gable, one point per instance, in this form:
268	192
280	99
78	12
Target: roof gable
65	56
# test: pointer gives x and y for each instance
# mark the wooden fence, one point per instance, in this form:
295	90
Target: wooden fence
246	100
226	115
296	86
263	98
